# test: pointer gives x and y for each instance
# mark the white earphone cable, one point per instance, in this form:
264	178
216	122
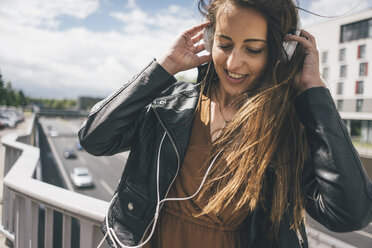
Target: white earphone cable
111	233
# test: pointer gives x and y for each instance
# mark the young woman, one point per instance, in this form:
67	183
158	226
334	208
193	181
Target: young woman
234	159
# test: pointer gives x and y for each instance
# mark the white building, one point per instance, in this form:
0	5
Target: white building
345	48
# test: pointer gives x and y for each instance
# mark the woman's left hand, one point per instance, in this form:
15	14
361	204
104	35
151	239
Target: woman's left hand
309	77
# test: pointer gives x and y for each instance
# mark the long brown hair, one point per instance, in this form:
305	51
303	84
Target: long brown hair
265	136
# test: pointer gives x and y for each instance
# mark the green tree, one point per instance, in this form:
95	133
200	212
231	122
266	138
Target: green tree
21	99
10	96
2	91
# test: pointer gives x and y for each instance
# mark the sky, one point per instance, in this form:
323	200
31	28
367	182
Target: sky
69	48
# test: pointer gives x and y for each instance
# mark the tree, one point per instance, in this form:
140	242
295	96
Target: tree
10	96
21	99
2	91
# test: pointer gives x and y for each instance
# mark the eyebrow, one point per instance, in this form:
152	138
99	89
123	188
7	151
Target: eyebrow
246	40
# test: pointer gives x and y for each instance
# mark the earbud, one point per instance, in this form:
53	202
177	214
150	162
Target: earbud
289	46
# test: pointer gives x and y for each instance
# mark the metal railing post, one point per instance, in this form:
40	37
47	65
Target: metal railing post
66	231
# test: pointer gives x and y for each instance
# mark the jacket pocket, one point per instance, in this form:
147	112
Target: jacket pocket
132	203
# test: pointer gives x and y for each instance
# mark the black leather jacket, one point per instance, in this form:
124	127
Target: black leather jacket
152	115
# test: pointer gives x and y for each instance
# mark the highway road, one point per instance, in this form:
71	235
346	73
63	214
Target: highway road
107	172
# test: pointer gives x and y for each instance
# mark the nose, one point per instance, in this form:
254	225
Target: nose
235	60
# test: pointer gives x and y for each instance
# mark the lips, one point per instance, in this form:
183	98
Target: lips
235	77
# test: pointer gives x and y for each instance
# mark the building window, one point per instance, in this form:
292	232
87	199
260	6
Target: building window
340	104
361	51
355	31
342	54
325	72
355	128
363	69
359	87
324	57
340	88
343	71
359	105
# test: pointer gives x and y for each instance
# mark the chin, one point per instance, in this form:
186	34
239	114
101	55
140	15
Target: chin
235	89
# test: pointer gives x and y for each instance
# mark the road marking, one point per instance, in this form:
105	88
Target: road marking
83	160
365	234
107	187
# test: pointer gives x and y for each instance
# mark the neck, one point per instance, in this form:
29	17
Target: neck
223	102
223	98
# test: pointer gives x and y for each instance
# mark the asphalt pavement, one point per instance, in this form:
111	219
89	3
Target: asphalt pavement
106	170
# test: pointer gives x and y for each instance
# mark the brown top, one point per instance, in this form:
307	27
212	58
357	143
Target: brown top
177	226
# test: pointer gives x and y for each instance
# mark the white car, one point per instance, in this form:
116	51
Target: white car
81	177
53	133
7	122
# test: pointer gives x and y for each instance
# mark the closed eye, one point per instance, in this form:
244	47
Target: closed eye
254	51
224	47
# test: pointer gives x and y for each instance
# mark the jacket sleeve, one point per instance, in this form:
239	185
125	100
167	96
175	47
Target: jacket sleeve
338	193
111	124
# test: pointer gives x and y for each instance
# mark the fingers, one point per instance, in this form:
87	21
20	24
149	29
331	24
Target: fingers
193	30
308	36
197	38
199	48
305	38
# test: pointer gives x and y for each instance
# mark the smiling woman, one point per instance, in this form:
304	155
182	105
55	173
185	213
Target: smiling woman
235	159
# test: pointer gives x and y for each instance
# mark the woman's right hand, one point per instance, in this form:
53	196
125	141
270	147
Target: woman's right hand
183	53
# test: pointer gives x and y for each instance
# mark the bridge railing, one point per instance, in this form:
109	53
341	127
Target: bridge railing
25	198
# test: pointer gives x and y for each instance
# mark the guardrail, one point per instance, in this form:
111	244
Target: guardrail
24	196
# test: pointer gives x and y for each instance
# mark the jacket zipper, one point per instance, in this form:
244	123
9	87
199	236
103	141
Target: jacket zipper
178	167
300	239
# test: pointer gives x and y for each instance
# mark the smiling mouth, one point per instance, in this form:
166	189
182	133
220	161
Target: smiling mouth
235	75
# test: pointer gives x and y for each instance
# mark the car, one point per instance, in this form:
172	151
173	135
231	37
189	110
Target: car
69	153
10	115
2	126
81	177
7	121
53	133
15	114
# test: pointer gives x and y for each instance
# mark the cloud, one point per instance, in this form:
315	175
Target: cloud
47	62
131	4
172	19
333	8
44	13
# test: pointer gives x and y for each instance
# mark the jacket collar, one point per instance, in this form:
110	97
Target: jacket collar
176	108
